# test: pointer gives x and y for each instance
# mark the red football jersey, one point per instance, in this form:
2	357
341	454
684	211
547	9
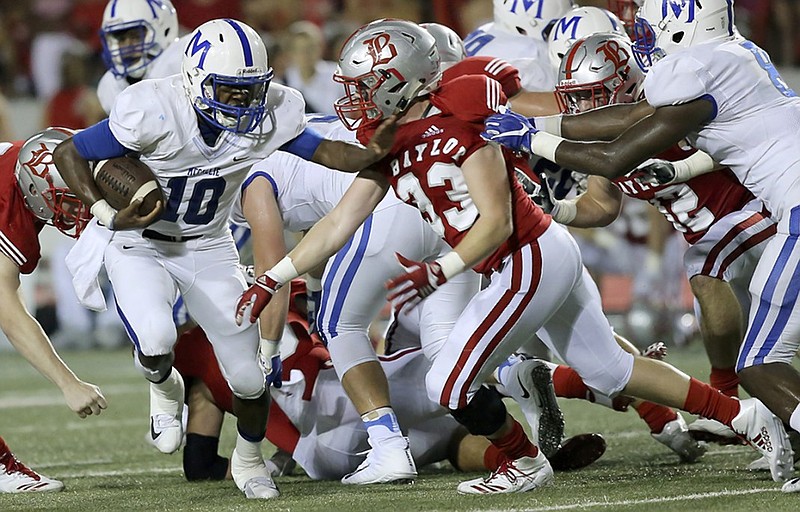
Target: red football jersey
19	228
694	206
424	166
500	70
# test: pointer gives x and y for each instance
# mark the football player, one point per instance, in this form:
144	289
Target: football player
466	190
721	93
139	40
199	132
32	194
576	24
518	34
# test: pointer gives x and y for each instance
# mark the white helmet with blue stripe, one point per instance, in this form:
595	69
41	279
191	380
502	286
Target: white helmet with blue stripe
579	23
226	74
135	32
529	17
666	26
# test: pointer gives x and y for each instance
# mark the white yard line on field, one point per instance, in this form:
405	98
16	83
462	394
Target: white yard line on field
122	472
40	398
85	424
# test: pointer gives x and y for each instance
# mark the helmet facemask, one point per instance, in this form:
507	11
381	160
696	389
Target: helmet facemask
645	51
249	95
132	59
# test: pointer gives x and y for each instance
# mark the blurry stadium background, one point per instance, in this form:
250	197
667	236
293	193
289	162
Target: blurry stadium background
50	63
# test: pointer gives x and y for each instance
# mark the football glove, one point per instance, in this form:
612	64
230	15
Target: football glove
419	280
510	129
270	359
655	173
257	297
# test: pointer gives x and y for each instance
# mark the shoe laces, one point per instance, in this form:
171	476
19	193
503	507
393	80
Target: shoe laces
506	469
13	465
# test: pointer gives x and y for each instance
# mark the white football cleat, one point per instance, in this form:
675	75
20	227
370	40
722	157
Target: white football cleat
389	461
792	485
712	431
675	436
530	384
760	464
17	477
253	480
521	475
166	414
764	432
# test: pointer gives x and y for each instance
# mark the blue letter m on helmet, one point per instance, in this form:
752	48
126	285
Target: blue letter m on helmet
195	45
526	6
677	7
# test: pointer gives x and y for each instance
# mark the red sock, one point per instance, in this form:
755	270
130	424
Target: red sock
515	444
493	457
725	380
568	384
710	403
655	415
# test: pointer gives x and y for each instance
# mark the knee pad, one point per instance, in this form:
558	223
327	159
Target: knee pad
349	349
248	382
200	459
158	369
484	415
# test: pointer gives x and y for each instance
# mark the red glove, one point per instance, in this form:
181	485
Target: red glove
257	296
420	280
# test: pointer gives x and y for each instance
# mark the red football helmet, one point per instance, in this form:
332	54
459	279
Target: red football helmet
44	190
384	66
625	11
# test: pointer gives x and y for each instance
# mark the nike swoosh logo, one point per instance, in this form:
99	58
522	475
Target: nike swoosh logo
153	434
127	247
240	158
525	393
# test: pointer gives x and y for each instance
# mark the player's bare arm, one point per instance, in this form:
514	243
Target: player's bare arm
352	157
322	241
599	206
605	123
487	182
28	338
260	209
648	137
77	174
530	104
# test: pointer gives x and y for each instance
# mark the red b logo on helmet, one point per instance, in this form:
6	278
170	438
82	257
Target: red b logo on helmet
41	160
380	49
614	53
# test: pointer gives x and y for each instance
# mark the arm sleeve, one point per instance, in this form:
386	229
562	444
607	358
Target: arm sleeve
98	143
304	145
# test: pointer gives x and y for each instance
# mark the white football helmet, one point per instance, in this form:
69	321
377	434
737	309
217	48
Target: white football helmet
666	26
625	10
579	23
529	17
597	71
43	189
384	66
134	32
450	46
227	57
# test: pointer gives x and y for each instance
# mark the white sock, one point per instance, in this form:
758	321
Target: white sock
171	388
248	451
381	424
794	420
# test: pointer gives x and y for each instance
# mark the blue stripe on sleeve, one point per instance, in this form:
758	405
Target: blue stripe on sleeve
263	174
304	145
98	143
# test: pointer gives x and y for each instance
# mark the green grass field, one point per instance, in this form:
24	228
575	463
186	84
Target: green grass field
107	466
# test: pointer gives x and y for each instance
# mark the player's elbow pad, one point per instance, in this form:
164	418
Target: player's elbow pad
200	459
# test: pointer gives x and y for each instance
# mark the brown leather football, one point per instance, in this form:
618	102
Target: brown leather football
123	179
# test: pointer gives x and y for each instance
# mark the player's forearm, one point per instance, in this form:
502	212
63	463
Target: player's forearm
76	172
273	317
531	104
344	156
30	340
483	238
606	123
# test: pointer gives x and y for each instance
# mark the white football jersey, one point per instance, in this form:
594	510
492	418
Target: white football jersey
757	119
527	54
166	64
155	119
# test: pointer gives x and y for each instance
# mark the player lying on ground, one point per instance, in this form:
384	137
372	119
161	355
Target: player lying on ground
312	419
720	92
467	191
32	194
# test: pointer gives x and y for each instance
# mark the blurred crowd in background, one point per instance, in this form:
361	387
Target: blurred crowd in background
50	55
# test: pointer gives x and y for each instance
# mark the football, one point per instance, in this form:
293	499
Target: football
123	179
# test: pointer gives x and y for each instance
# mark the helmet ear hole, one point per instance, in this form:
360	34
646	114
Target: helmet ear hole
678	37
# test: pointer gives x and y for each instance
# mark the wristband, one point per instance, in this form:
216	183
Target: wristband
564	211
284	271
545	145
549	124
269	348
451	264
695	165
104	212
